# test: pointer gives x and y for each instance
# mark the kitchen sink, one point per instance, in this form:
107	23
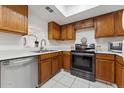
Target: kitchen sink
42	51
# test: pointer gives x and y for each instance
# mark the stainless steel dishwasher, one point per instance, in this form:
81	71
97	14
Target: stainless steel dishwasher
19	73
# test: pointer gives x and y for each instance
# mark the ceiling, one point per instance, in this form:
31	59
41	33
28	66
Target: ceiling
70	10
72	13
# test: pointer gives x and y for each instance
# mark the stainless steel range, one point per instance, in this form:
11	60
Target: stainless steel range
83	63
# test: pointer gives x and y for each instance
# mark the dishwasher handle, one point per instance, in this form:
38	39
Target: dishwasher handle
18	61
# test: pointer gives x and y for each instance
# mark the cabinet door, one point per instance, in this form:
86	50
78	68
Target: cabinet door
53	31
56	32
14	18
63	32
119	31
119	80
104	25
45	69
60	61
55	64
66	61
70	31
84	24
105	70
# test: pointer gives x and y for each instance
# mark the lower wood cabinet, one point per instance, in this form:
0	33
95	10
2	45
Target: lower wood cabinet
119	75
44	70
105	67
55	64
48	66
60	60
66	60
105	70
119	72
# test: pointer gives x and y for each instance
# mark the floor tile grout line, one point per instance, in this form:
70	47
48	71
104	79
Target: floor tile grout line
64	84
60	82
89	85
47	82
59	79
73	82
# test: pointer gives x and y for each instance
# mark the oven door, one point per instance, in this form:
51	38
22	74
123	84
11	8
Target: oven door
83	61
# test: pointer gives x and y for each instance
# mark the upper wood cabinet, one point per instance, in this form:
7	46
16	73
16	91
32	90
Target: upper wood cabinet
105	67
68	32
53	31
84	24
119	31
105	25
14	18
63	32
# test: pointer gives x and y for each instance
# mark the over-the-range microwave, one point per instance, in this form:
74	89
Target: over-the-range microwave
116	46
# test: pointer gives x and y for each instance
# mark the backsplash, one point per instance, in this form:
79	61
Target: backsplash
9	41
89	33
39	27
103	42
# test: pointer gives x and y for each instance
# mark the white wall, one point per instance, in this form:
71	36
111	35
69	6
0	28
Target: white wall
39	27
89	33
8	40
103	42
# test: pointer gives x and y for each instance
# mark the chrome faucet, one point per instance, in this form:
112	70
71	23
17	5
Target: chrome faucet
41	47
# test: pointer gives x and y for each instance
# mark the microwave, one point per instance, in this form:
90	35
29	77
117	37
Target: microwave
116	46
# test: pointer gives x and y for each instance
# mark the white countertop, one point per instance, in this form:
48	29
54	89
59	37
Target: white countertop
12	54
109	52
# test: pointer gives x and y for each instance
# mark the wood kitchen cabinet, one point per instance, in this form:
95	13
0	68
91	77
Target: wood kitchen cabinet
14	19
119	31
105	67
55	64
66	60
84	24
68	32
119	72
53	31
60	60
48	66
104	25
63	32
45	69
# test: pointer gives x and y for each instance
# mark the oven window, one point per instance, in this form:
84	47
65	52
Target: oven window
82	62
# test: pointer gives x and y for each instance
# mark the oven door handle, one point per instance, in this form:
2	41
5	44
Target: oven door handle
83	54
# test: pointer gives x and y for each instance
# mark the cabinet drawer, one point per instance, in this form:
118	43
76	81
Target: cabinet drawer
119	59
67	52
55	54
45	56
105	56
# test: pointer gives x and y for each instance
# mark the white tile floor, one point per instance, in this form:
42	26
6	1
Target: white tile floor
66	80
